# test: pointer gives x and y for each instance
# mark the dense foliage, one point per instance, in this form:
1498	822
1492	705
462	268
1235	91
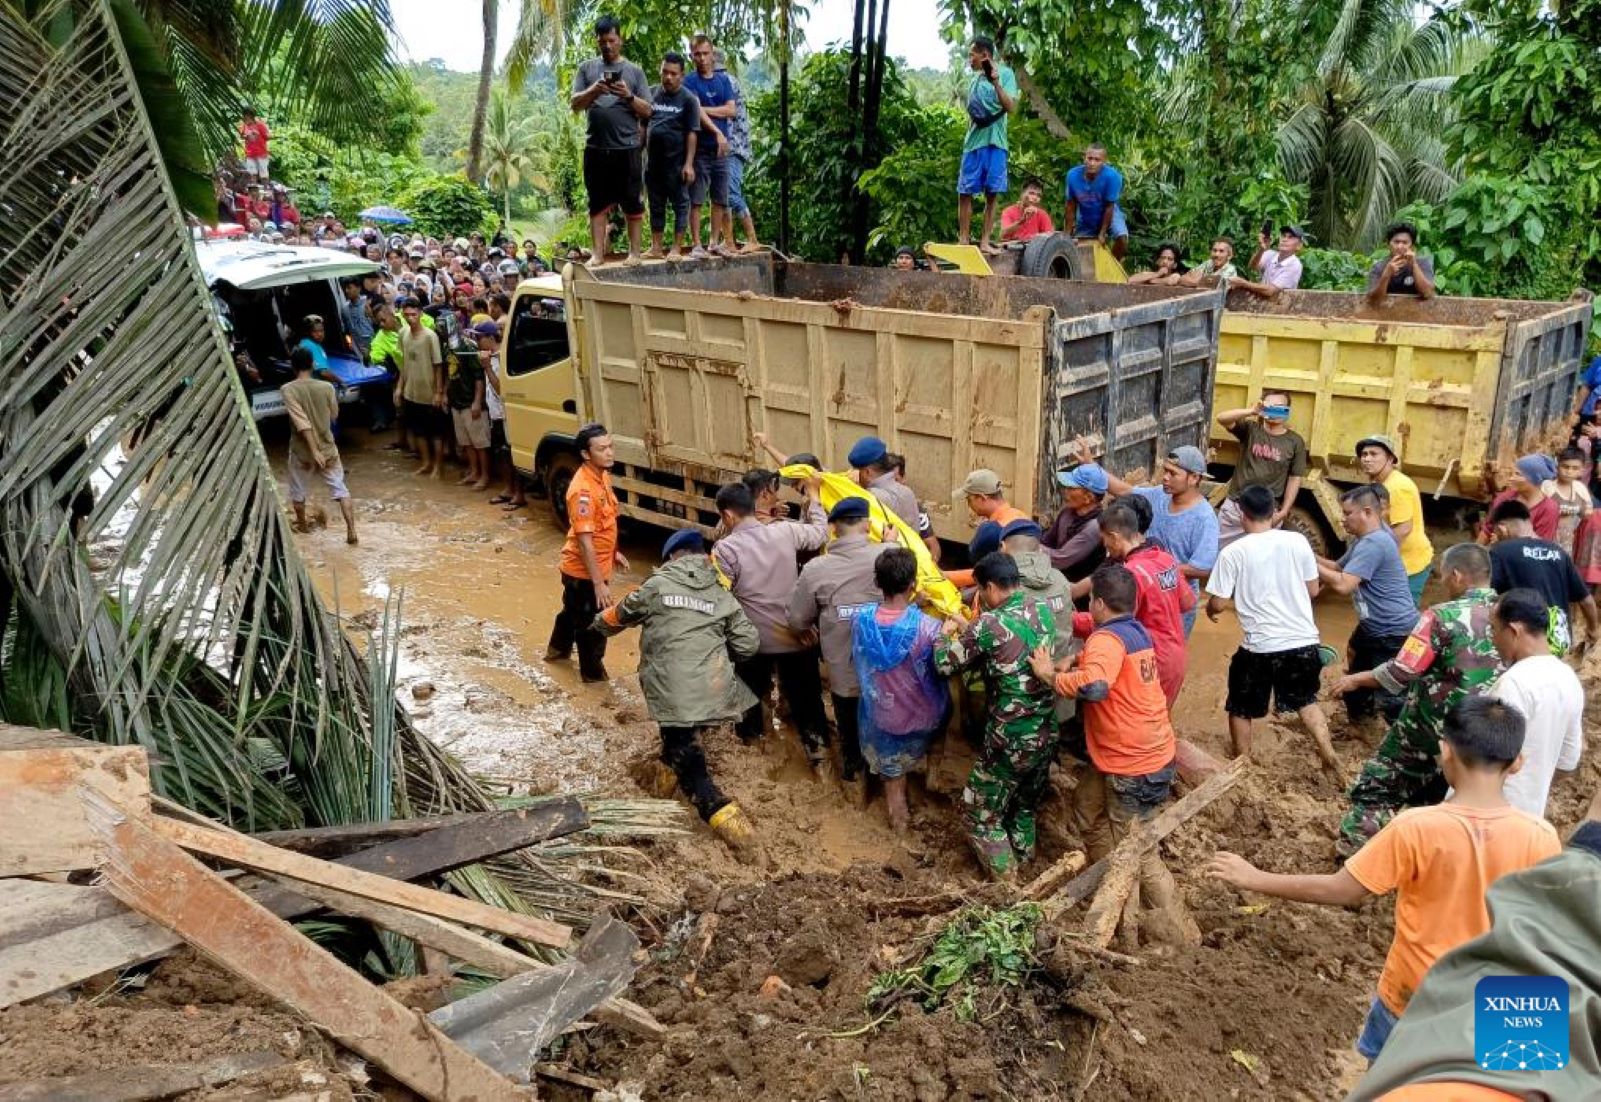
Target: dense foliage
447	206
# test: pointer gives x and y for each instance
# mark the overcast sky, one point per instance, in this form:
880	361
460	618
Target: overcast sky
427	32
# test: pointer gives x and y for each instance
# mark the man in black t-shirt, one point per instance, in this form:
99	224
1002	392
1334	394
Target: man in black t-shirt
1520	560
670	155
612	91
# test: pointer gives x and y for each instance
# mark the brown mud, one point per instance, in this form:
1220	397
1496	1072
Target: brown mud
1265	1008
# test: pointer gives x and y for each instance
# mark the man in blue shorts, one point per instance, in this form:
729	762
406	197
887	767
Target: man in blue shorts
1093	191
715	91
990	99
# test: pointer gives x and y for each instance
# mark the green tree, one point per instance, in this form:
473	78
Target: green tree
447	206
486	72
509	146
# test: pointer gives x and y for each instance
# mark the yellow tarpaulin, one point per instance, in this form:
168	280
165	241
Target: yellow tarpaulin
933	589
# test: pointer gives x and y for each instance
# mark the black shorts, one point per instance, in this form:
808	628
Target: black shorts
422	419
1289	679
614	178
497	437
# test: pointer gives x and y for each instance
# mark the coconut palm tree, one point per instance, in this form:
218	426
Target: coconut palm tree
486	73
509	147
1365	125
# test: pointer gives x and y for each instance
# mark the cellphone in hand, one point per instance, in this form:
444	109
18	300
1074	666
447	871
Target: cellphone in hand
612	76
1267	228
989	68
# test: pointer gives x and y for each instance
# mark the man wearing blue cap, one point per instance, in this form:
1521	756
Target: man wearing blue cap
869	457
833	589
1181	519
692	633
1073	541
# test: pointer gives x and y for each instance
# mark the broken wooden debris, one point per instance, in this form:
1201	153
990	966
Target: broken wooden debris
1166	822
508	1024
154	876
142	1082
561	816
243	850
41	773
1046	883
572	1078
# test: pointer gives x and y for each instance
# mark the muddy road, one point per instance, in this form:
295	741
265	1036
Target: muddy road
1266	1008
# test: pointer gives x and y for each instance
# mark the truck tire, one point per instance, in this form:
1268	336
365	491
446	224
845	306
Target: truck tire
559	476
1051	256
1310	525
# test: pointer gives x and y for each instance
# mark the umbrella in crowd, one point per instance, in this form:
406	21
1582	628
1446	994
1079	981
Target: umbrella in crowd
386	214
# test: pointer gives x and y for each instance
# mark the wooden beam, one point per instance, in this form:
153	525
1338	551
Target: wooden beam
1046	883
241	849
156	878
40	775
141	1082
1170	819
473	836
500	961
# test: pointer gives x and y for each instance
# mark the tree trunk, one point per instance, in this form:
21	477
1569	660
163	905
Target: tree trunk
486	73
1042	107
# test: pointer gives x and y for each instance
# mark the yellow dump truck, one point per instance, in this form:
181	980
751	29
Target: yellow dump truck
1464	385
683	362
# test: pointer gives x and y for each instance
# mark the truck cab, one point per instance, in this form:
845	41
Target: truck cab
539	388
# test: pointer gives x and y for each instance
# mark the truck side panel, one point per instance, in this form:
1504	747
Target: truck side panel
1544	359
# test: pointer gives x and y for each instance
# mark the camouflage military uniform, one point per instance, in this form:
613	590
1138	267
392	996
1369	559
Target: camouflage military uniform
1019	736
1447	658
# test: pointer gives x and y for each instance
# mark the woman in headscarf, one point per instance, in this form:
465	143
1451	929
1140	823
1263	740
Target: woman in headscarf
904	700
1528	475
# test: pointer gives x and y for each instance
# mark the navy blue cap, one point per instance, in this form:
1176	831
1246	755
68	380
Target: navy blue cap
849	508
866	451
986	538
1022	528
685	539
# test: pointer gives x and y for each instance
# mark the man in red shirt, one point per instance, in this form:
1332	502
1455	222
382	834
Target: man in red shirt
253	132
1128	738
1026	218
1163	594
588	557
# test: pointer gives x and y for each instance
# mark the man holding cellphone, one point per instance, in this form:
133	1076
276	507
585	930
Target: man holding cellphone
614	94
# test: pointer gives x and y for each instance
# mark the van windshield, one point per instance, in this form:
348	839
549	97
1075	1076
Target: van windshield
538	335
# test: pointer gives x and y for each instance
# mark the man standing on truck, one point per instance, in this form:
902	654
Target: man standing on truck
1271	454
1093	191
588	557
991	97
1280	268
1370	572
670	164
1379	462
759	562
832	591
716	95
1073	541
616	97
1181	520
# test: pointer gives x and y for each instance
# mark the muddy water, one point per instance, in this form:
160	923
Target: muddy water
478	590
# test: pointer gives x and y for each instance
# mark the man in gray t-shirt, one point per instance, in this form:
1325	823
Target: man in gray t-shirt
1372	575
615	96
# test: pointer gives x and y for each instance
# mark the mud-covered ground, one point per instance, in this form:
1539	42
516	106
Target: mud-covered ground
1265	1008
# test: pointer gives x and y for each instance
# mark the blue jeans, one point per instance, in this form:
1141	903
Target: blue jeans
736	186
1375	1030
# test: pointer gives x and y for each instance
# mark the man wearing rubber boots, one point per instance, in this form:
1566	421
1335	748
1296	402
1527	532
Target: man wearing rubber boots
692	633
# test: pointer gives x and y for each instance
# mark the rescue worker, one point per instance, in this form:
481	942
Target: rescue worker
1449	657
759	562
692	631
832	591
987	502
1009	777
1021	540
588	557
869	458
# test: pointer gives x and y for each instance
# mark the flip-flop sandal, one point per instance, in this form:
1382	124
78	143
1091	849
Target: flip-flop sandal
512	507
500	499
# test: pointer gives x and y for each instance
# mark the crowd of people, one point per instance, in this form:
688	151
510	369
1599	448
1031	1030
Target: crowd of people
1070	647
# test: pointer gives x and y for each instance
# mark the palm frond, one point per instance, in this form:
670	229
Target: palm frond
1301	139
542	29
1376	176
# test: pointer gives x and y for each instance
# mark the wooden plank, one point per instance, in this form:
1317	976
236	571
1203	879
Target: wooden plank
498	960
1121	877
337	841
477	839
1170	819
1046	883
43	822
141	1082
243	850
155	877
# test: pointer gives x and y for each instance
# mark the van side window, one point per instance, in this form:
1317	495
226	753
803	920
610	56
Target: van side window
538	336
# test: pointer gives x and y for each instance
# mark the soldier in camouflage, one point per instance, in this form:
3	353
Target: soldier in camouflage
1448	657
1008	780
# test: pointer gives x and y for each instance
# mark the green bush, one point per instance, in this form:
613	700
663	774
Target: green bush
447	206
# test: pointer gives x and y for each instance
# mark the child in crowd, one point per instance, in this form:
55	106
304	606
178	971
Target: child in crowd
904	701
1439	860
1574	504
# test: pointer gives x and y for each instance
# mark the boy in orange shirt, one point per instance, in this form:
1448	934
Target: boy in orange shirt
1439	860
1128	739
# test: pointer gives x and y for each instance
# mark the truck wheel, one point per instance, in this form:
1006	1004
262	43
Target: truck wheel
1051	256
1309	525
559	476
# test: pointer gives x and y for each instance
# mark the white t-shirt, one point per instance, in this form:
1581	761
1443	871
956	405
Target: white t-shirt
496	407
1265	575
1283	272
1547	691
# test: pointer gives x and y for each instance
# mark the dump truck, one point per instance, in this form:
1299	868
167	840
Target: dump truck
683	362
1464	385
